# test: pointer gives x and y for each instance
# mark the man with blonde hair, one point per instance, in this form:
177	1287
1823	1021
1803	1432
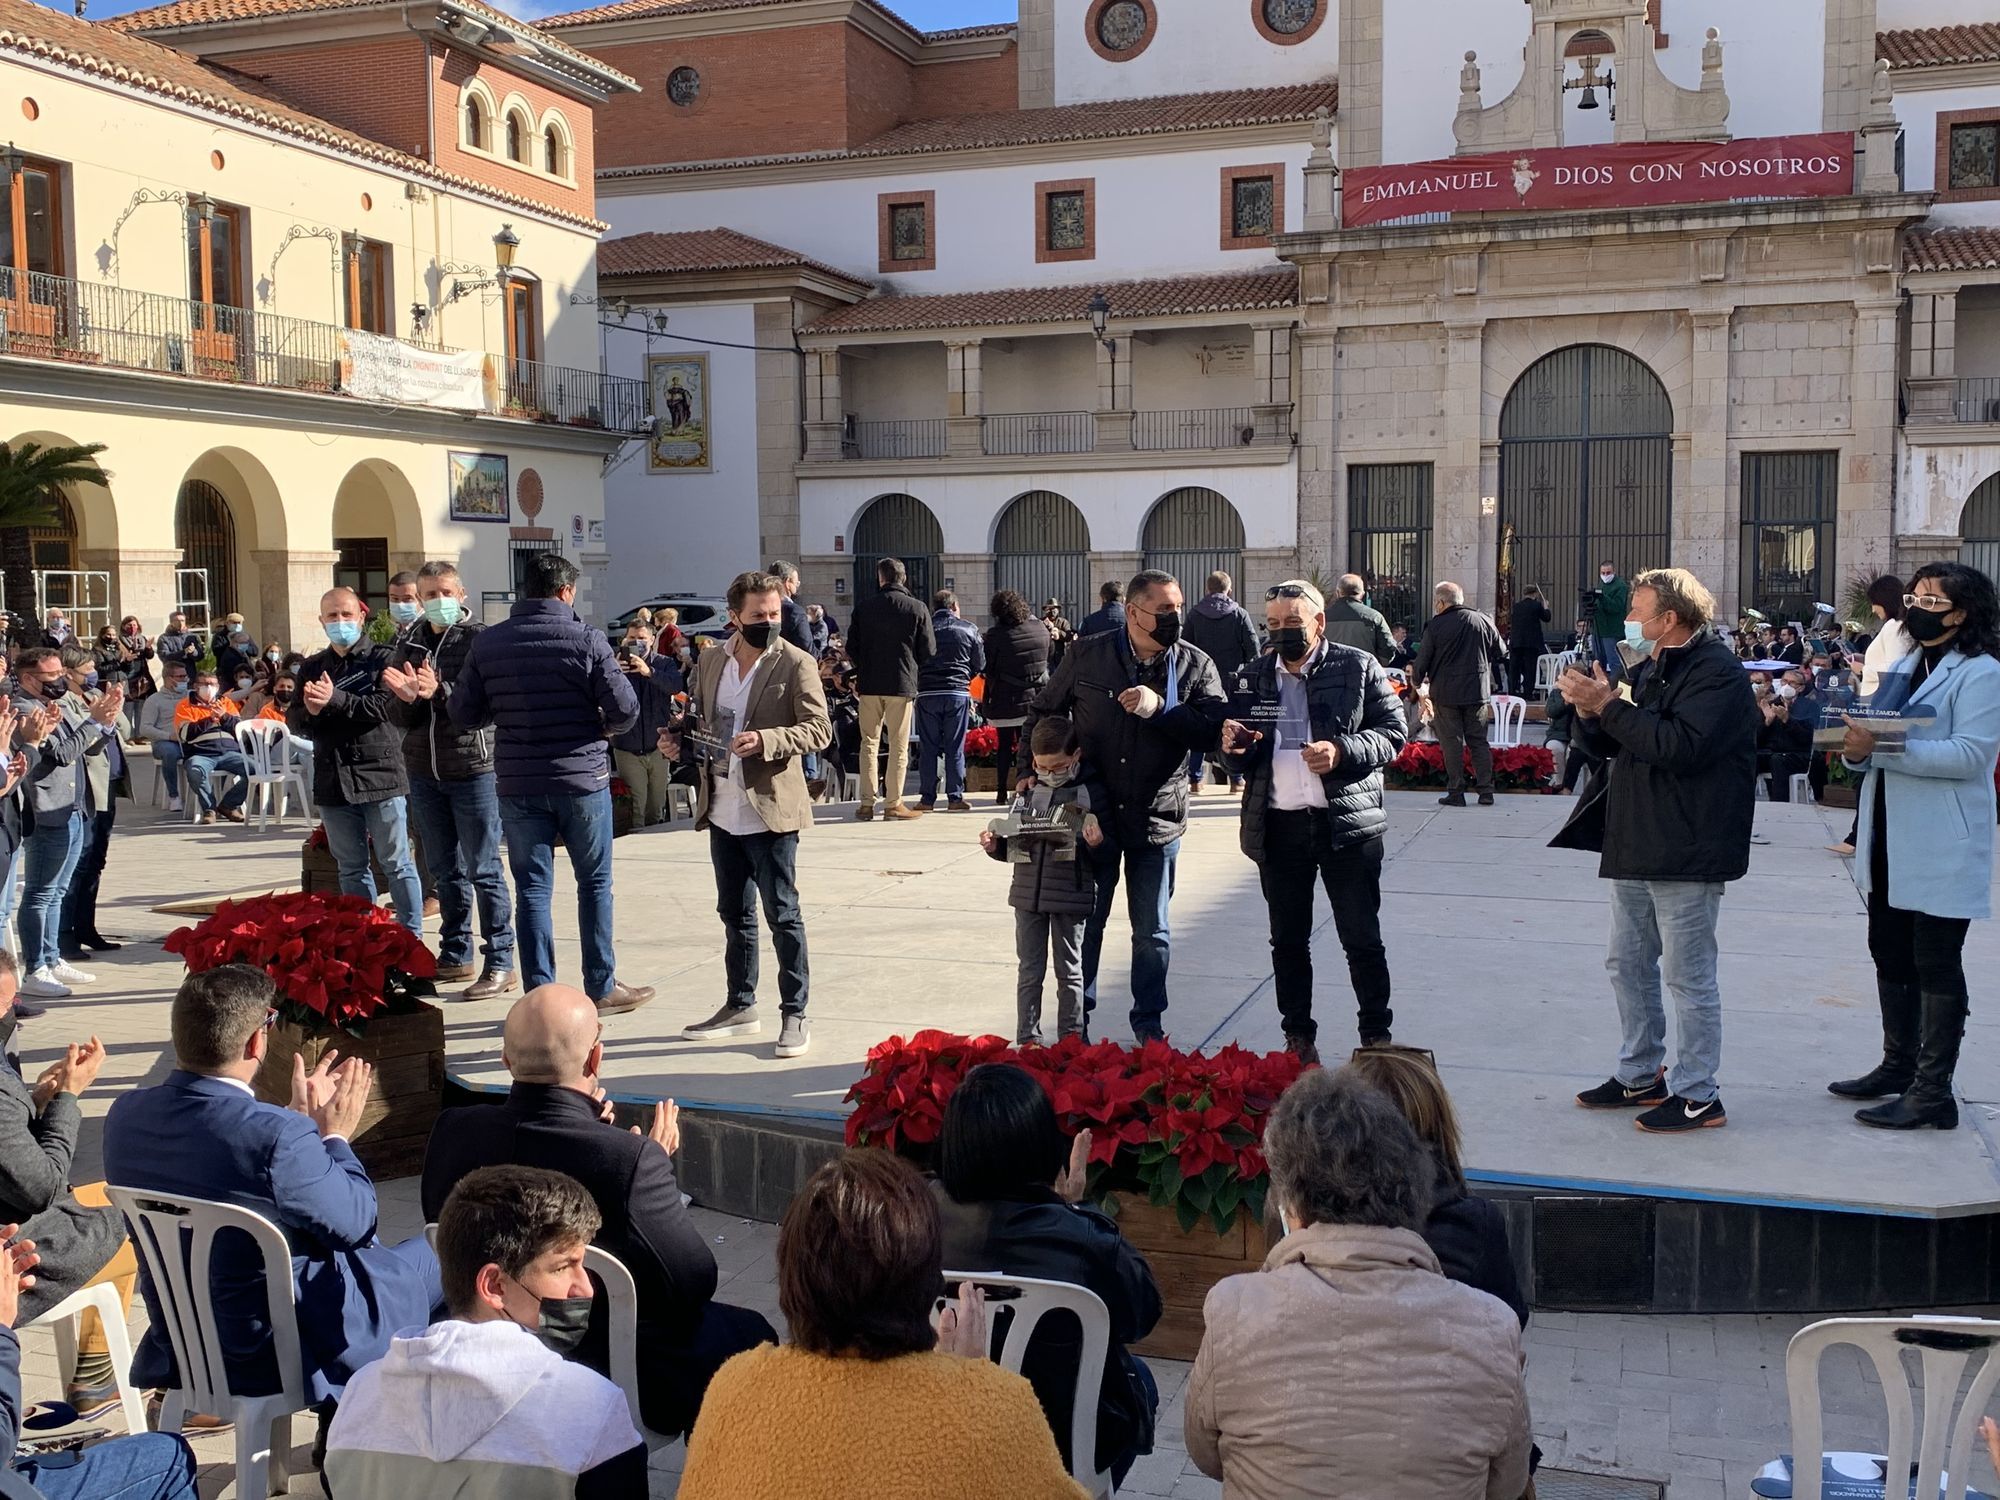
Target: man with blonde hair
1673	828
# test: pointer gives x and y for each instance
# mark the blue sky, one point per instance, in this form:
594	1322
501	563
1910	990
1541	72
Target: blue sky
932	15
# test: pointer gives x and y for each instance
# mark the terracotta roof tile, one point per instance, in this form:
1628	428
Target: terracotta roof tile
1243	291
1161	114
655	254
1953	250
1939	46
37	31
638	10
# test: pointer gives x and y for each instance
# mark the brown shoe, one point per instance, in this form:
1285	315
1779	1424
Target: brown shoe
234	814
211	816
492	984
194	1424
449	972
958	804
898	813
864	814
431	909
624	997
816	788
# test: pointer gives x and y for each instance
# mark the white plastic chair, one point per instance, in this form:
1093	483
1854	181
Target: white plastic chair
267	745
1508	716
65	1319
1945	1344
175	1238
1547	669
1802	788
1031	1300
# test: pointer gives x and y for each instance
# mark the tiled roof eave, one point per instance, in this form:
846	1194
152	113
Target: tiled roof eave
1268	290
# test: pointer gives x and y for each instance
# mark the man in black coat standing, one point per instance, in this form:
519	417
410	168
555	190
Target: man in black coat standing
889	637
555	1116
793	625
1461	657
1526	642
1313	725
1110	613
1143	700
1219	626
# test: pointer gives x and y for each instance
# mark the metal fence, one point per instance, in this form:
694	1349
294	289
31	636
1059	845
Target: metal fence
1170	431
1041	432
916	438
577	398
1978	400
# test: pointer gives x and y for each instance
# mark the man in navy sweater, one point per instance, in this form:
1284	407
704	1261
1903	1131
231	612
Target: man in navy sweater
552	688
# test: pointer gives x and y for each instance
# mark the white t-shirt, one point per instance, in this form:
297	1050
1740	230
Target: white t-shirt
729	806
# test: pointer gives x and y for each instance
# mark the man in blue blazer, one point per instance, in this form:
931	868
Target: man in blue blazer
205	1134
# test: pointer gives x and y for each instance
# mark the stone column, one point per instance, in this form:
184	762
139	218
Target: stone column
289	586
1322	506
1933	358
142	583
1361	84
1705	537
1456	549
825	412
778	419
971	575
1867	512
965	400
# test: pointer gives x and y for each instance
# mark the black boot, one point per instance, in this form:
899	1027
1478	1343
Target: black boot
1902	1008
1929	1102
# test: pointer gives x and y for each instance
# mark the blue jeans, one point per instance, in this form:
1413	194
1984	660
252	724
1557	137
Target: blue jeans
11	891
941	725
167	755
1666	929
52	852
147	1466
1605	649
1149	873
749	866
459	823
583	823
200	768
349	828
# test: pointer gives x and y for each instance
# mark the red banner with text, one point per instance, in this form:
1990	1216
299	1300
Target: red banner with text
1638	176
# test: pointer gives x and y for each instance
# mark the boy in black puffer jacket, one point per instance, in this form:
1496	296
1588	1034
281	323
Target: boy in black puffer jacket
1055	876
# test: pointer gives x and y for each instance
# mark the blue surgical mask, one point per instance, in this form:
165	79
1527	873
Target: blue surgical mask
405	611
343	633
442	612
1635	635
90	680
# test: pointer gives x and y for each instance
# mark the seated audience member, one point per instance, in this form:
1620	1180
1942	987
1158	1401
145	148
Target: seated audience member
203	1133
553	1118
145	1466
1466	1233
1008	1190
483	1405
867	1402
156	727
1784	742
79	1238
1349	1365
205	723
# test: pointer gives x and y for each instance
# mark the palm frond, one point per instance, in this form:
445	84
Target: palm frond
31	474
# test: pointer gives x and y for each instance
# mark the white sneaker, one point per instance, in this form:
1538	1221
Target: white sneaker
44	985
67	973
174	805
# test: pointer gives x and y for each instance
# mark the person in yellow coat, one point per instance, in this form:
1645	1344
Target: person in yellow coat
866	1402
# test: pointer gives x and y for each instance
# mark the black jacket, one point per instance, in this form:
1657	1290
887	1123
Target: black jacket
887	640
1683	781
1143	761
1461	657
1017	667
1221	627
1352	704
1043	1237
793	625
1524	626
1104	618
433	745
1469	1238
357	751
645	1224
1349	622
1041	882
36	1149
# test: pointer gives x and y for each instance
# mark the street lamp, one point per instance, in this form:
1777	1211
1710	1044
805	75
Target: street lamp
15	162
505	245
204	207
1100	318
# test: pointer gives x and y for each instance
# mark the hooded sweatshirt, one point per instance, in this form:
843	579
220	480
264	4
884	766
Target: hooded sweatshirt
1221	627
482	1411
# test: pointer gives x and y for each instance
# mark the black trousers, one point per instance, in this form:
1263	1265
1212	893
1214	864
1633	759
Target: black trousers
1521	668
673	1376
750	867
1912	947
1298	852
79	905
1010	742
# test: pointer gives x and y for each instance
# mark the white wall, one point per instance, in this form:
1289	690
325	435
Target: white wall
1187	369
1199	45
1156	215
1933	484
1919	109
1977	337
895	382
1046	374
687	533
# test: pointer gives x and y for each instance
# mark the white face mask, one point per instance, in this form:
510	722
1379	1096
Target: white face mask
1606	577
1786	690
206	692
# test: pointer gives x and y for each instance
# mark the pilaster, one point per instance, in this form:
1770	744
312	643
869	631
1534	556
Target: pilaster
289	588
1035	40
1867	521
1933	358
1114	374
778	417
1460	469
1360	85
1704	537
142	582
825	413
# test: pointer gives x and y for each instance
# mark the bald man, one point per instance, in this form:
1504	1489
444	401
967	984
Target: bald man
556	1116
358	776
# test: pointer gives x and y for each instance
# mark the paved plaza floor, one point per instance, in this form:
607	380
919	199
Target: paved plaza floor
1497	948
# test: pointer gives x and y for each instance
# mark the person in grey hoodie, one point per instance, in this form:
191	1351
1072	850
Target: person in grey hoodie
483	1405
1221	627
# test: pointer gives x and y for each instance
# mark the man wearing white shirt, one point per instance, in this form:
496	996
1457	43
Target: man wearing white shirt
1312	726
758	711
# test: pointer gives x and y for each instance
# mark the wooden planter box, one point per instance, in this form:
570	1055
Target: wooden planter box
1840	794
403	1100
1186	1265
318	873
982	778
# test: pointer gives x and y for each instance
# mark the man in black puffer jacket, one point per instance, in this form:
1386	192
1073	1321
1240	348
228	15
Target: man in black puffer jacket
1312	726
551	687
1221	627
454	795
358	776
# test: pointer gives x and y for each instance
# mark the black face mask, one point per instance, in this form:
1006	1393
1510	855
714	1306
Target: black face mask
1291	643
760	633
1167	628
54	690
562	1324
1925	625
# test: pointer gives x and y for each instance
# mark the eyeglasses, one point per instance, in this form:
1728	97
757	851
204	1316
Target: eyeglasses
270	1020
1925	601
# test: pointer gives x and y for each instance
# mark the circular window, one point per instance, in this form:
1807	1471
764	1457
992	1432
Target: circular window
215	160
31	109
1287	22
367	202
684	86
1119	30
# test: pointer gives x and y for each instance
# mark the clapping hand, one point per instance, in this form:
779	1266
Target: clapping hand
1586	692
1075	1178
317	693
15	769
16	1261
403	684
962	1325
104	708
666	1127
40	724
72	1074
339	1112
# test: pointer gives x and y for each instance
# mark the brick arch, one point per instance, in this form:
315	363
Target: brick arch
1663	341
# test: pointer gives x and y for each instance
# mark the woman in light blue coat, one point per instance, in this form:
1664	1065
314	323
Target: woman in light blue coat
1924	858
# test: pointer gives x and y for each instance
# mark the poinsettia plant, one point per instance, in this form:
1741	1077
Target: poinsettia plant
1185	1128
1516	768
336	960
982	745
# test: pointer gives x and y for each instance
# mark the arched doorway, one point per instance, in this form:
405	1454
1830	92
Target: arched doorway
376	529
1979	529
1586	473
30	550
899	526
1041	550
1191	533
205	531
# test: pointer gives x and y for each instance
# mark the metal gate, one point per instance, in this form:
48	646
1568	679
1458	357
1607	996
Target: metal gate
205	531
899	526
1192	533
1586	473
1041	550
1389	537
1979	529
1789	504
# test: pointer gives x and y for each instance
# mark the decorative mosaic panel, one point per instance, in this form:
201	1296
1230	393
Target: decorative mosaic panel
1122	26
1290	17
1253	206
909	232
1069	227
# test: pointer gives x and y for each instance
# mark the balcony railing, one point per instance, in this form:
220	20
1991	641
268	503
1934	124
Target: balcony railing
89	323
1977	400
1168	431
1041	432
919	438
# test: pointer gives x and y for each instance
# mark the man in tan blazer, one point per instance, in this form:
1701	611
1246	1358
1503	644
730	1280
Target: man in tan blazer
763	696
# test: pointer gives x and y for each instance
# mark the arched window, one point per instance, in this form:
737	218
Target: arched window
517	141
552	153
475	122
205	531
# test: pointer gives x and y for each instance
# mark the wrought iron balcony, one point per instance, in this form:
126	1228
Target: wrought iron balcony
1041	432
1034	434
1218	427
1977	400
91	323
921	437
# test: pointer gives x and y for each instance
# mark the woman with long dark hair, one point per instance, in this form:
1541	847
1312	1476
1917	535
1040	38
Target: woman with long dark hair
1924	855
1888	646
1017	668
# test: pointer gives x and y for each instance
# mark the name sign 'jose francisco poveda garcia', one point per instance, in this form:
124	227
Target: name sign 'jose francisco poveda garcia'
1634	176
